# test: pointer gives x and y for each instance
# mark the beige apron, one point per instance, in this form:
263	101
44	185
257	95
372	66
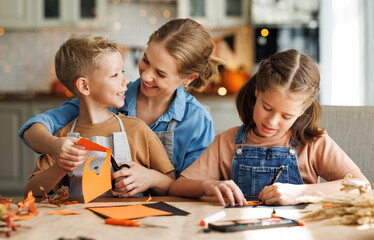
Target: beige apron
118	142
167	139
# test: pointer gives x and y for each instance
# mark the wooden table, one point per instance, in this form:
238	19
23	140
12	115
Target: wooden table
90	226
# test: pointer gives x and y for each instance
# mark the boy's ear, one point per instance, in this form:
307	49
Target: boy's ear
190	79
82	86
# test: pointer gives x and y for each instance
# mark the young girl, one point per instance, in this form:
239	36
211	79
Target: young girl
280	114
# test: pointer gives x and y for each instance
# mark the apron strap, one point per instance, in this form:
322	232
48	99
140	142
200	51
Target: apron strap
72	133
73	127
171	126
120	122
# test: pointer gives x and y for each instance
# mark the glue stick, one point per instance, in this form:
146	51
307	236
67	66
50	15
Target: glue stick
212	218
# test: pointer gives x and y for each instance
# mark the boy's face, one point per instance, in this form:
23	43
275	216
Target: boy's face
108	83
275	112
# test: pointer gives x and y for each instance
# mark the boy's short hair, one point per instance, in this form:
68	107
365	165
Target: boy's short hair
79	57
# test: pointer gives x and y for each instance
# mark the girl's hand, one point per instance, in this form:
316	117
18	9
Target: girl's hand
133	180
280	194
68	154
224	188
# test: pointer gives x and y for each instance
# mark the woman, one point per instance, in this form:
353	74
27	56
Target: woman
179	53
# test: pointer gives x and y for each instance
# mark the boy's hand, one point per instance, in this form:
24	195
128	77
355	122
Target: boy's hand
67	153
133	180
280	194
226	188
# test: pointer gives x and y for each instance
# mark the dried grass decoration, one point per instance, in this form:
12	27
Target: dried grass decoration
348	208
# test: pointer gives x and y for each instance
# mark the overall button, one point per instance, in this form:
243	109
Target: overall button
292	151
239	151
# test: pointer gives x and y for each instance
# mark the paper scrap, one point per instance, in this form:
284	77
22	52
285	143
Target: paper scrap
62	212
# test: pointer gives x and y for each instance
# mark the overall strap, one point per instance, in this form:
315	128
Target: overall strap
171	126
241	136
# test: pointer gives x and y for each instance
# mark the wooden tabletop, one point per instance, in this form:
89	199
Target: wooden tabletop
90	226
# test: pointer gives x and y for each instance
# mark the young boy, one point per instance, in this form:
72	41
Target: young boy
91	67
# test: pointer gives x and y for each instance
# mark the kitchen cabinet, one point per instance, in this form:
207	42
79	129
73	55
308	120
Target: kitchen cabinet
277	12
16	13
17	160
25	14
216	13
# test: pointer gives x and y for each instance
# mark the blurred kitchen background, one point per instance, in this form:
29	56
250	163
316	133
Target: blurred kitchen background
338	34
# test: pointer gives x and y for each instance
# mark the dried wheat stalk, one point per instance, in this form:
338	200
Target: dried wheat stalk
346	208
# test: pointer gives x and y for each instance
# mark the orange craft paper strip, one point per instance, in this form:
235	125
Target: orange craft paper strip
64	213
129	212
24	217
94	185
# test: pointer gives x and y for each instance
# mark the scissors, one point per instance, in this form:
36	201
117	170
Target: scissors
116	168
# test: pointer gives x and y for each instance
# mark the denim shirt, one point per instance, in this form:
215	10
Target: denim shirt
192	135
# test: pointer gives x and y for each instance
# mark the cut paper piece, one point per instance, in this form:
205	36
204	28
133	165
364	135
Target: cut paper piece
94	185
167	208
64	213
24	217
29	204
128	212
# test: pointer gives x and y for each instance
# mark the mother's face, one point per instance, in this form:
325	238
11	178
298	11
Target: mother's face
158	72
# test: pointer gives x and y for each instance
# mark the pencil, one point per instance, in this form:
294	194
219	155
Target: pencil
277	175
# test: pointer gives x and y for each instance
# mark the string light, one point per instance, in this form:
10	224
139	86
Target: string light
166	13
264	32
222	91
142	12
153	20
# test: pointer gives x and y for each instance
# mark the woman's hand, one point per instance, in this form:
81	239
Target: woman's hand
133	180
226	188
280	194
67	153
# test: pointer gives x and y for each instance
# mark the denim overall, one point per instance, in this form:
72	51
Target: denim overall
121	153
253	168
167	139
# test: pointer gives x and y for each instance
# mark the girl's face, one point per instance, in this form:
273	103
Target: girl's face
275	112
108	82
158	72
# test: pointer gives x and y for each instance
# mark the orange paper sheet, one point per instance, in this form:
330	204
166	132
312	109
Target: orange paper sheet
64	213
94	185
129	212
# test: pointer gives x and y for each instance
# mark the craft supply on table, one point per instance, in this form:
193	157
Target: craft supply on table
130	223
214	217
252	224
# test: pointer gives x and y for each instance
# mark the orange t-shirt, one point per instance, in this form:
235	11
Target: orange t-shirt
322	158
145	147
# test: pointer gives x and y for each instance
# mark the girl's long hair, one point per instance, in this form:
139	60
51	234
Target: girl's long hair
299	75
